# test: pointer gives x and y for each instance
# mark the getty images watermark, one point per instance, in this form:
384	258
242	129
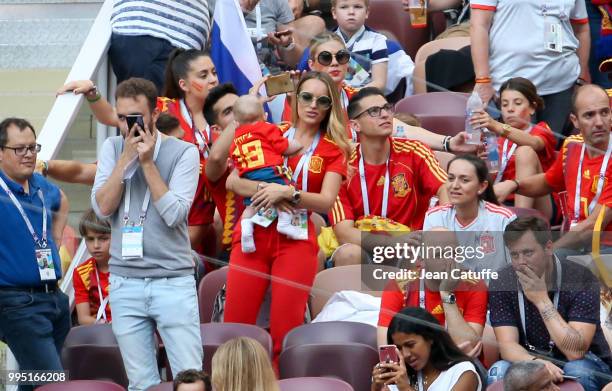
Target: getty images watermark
402	253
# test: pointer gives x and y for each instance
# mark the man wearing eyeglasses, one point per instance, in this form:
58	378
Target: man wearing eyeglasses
35	318
547	309
393	179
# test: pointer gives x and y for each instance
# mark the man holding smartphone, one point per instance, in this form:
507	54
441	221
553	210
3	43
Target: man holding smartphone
271	25
145	184
547	309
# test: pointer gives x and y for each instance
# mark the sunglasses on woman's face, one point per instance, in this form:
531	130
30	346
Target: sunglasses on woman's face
323	102
342	56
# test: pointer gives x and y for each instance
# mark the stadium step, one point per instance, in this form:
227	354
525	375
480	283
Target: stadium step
39	41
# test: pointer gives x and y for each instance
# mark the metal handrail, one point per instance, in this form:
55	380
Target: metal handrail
65	109
91	62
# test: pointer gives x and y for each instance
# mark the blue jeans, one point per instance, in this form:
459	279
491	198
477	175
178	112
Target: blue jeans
141	304
592	373
35	326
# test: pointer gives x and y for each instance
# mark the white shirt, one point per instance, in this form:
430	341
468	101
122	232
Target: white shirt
447	379
517	41
485	231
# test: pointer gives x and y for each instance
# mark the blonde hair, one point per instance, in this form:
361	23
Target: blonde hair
334	123
248	109
242	364
322	38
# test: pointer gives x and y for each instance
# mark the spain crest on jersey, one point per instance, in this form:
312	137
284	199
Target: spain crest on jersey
400	185
316	164
487	243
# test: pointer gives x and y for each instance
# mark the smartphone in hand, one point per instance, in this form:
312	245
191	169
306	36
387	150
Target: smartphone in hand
279	84
388	354
133	119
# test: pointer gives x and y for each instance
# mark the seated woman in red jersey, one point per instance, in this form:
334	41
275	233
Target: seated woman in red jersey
524	149
474	215
257	153
90	278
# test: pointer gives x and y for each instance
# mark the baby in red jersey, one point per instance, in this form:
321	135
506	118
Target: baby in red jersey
257	151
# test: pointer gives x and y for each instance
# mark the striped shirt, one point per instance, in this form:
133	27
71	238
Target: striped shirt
183	23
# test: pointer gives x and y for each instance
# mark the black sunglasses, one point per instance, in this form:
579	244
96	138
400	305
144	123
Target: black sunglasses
376	110
323	102
342	56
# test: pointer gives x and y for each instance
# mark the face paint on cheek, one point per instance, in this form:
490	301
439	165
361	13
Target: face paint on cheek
197	86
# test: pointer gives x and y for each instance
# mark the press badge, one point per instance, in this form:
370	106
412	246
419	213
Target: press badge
553	37
265	217
361	76
299	221
131	241
44	259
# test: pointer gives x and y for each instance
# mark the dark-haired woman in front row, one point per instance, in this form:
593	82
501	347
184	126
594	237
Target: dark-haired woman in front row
429	359
473	214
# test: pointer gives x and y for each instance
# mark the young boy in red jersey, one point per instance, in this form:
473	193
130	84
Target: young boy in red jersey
257	151
90	279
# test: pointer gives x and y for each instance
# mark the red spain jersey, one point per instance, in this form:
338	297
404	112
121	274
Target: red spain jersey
563	175
257	146
546	156
414	177
471	301
86	287
229	205
346	93
202	210
327	157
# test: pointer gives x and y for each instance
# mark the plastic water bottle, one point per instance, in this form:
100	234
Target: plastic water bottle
474	103
492	152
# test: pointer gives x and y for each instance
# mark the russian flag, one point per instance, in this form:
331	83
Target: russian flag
231	48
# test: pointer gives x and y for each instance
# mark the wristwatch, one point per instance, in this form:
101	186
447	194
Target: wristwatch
449	299
296	196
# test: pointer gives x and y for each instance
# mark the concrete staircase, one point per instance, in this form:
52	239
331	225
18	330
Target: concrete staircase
39	42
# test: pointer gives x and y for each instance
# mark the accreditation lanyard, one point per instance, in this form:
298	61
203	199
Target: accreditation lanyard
103	300
345	102
41	242
600	180
422	294
304	160
521	300
506	155
147	197
364	187
355	38
203	139
345	99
